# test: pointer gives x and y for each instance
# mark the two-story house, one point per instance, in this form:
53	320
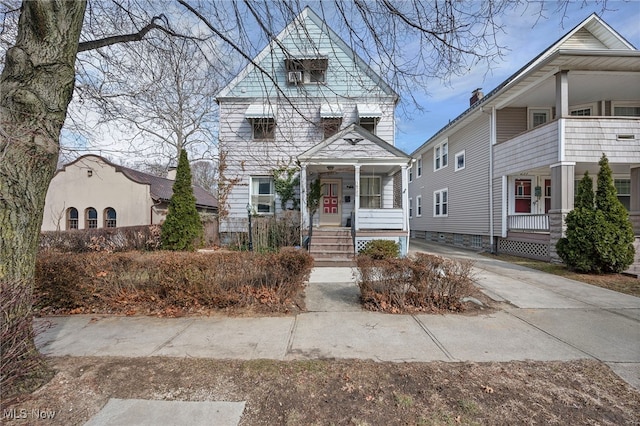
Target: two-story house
502	175
309	102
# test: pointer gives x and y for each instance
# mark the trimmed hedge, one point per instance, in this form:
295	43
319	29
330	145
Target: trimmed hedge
143	283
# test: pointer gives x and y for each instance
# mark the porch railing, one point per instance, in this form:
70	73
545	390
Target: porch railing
529	222
380	219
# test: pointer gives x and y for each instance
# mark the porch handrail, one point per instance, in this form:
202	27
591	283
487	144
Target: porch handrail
528	222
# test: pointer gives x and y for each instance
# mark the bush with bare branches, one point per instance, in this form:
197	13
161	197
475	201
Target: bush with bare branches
421	283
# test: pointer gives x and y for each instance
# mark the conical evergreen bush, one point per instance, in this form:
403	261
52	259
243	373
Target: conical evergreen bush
182	229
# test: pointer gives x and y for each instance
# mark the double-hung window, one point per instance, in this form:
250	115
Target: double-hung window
419	206
410	207
538	116
623	188
419	166
441	203
441	155
370	194
262	194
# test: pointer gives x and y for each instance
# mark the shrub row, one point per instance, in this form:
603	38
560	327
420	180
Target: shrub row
144	283
420	283
102	240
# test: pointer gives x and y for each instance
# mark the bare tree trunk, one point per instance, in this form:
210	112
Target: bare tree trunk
36	87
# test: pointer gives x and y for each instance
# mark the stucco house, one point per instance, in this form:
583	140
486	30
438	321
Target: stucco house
502	175
92	192
310	103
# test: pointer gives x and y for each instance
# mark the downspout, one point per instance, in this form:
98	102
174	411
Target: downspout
492	142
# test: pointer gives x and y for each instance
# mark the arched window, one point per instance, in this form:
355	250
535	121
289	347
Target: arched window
109	217
90	218
72	218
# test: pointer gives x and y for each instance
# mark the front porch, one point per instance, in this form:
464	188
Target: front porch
364	187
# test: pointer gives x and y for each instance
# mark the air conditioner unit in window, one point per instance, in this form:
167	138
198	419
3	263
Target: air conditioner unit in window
294	77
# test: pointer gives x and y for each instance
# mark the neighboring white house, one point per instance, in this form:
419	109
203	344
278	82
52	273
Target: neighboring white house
502	175
91	192
312	104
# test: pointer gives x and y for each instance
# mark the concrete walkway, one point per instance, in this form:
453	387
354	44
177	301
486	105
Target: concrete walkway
546	318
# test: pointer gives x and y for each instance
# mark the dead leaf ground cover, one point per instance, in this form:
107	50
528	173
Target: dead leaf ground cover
345	392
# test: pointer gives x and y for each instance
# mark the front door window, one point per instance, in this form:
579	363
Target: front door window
523	196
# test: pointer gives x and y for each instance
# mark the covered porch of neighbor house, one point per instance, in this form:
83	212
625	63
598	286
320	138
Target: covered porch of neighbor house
535	202
364	194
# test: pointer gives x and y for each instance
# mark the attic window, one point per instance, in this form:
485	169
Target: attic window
306	70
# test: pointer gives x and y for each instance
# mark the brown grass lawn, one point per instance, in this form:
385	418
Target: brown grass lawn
618	282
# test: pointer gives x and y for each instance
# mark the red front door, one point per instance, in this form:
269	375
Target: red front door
330	213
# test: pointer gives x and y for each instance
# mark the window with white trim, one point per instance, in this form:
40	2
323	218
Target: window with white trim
623	188
411	173
370	194
460	160
419	166
369	123
263	128
410	207
581	111
262	194
441	203
307	70
441	155
538	116
419	206
626	109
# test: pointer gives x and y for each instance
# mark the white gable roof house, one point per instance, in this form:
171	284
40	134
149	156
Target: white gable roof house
503	174
313	104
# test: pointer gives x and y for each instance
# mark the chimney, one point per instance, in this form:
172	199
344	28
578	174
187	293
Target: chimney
171	173
476	95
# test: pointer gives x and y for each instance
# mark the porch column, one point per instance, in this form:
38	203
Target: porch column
562	194
405	198
562	94
303	198
634	211
356	202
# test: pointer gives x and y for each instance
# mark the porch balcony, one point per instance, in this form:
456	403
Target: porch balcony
528	222
578	139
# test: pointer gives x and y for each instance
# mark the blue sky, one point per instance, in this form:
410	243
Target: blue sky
525	39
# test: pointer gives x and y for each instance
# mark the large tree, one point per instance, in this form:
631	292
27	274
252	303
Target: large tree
40	69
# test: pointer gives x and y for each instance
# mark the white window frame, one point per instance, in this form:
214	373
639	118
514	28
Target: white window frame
410	207
464	160
441	155
367	122
419	206
373	196
622	105
532	111
254	200
419	167
411	173
620	194
437	204
591	107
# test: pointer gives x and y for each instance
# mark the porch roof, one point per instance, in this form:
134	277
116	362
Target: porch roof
354	144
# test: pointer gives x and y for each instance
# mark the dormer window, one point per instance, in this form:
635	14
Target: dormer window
306	70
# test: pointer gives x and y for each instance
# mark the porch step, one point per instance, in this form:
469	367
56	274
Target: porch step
332	247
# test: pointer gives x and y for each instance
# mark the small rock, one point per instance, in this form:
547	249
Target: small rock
472	300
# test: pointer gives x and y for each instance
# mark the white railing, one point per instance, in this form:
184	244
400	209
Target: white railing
380	219
529	222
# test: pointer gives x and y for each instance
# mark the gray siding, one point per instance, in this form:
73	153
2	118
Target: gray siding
510	122
468	210
587	139
535	148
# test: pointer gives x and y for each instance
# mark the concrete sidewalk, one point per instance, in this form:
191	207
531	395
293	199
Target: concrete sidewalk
547	318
